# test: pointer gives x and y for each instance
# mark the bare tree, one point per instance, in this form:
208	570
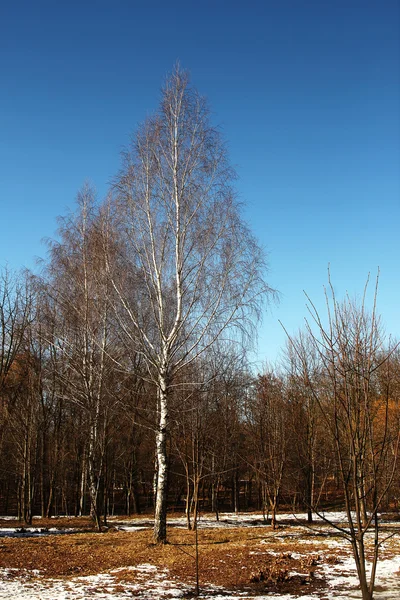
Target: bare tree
193	272
355	408
82	292
267	422
15	316
197	432
15	307
311	450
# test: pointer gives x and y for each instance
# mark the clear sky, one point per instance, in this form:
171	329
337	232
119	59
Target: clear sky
307	94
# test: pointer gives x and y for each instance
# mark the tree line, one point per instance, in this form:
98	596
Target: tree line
79	412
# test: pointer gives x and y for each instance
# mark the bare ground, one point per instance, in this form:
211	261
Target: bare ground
256	560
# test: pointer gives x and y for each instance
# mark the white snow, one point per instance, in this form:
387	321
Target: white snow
153	583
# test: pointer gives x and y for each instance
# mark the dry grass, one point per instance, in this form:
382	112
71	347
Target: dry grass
252	558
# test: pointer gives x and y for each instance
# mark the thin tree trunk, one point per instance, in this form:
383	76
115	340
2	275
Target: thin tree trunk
83	485
188	499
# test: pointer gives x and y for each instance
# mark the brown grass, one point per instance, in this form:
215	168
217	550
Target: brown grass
251	558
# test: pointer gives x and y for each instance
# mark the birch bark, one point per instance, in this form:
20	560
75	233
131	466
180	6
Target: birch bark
188	270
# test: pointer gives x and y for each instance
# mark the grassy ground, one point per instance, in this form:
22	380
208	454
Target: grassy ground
253	559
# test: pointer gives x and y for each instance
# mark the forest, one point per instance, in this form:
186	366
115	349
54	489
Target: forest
125	384
79	412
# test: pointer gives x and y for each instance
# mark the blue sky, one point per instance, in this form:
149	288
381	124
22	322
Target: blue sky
306	93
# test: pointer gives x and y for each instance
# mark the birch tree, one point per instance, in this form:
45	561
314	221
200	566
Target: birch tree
191	270
84	337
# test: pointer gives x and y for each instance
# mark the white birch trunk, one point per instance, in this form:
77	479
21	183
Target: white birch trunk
160	519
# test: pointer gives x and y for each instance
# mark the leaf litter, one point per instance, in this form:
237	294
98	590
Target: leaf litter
239	557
